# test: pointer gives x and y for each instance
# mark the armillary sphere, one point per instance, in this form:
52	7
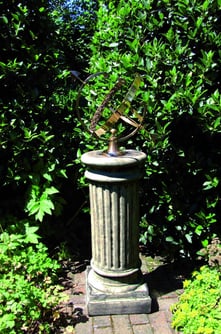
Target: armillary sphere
110	108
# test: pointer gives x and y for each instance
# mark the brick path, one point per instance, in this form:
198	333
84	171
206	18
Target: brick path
164	290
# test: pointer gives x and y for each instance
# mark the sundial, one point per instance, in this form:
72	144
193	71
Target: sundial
107	110
113	117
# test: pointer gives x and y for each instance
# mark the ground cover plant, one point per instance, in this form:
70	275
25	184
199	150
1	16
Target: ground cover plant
29	294
199	307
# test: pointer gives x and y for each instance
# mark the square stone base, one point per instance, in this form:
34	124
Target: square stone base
134	302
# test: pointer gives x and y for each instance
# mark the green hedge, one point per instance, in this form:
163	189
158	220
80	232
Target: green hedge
175	46
40	44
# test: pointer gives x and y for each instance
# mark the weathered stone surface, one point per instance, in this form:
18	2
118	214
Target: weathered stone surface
132	302
114	282
121	324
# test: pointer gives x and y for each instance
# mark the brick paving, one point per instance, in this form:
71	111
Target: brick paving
164	290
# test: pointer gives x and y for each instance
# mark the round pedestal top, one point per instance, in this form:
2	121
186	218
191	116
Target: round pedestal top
100	158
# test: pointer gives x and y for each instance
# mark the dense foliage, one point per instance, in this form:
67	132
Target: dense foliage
75	21
40	43
38	147
31	81
175	46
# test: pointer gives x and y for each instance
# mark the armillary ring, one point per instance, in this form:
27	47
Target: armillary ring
117	113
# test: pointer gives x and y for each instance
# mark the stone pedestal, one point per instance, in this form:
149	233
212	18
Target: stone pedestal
114	279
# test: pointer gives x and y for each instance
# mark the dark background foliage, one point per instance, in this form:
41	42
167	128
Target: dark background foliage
40	44
175	46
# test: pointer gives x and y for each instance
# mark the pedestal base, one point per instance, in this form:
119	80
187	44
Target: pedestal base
132	302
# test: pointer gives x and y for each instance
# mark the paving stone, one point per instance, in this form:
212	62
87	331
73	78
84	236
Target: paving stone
78	299
102	321
159	324
79	278
121	324
165	304
169	317
155	323
139	319
84	327
172	294
103	330
143	329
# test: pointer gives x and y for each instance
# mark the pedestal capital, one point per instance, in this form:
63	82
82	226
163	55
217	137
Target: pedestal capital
100	159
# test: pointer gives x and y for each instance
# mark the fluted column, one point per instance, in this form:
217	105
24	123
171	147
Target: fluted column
114	206
113	211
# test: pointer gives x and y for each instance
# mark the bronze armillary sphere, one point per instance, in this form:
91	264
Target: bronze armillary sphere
111	107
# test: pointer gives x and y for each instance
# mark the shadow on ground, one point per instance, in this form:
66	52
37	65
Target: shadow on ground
162	280
167	278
